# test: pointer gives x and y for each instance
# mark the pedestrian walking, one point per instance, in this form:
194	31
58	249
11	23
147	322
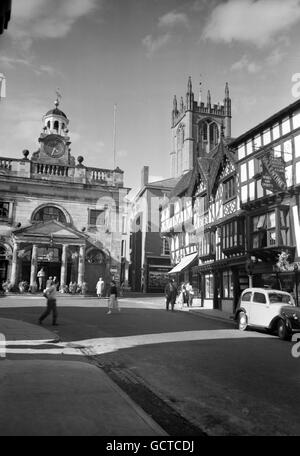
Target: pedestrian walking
190	294
113	304
50	295
100	287
171	293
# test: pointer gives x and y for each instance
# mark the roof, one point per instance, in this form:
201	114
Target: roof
183	184
269	121
165	183
56	112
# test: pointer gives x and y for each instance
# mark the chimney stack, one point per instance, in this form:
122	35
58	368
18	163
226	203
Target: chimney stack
145	176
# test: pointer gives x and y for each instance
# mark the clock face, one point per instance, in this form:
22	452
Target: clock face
54	147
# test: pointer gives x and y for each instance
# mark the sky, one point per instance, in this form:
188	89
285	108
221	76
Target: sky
138	54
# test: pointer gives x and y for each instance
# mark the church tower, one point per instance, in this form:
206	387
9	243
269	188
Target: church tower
54	139
196	128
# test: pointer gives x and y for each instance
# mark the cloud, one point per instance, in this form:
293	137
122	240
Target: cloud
154	44
249	21
47	18
11	63
122	153
275	57
245	64
173	19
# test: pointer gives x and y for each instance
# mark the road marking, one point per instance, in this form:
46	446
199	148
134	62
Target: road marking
103	345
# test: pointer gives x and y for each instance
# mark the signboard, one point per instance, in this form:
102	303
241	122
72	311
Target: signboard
273	177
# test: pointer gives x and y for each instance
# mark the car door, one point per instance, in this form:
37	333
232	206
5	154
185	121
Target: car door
246	304
260	309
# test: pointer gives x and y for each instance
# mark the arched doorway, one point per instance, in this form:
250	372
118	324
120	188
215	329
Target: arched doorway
95	267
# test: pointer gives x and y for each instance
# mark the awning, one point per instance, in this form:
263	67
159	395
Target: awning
184	263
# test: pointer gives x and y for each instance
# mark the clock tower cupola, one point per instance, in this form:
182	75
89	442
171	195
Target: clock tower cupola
54	139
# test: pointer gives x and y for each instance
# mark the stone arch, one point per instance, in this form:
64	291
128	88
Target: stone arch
63	215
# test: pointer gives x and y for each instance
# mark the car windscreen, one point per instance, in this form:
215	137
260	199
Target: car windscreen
276	298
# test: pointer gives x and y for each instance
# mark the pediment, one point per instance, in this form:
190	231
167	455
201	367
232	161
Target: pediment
52	228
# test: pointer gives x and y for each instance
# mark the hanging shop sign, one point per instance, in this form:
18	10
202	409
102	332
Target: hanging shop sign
273	176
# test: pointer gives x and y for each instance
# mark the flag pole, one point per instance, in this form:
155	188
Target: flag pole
114	134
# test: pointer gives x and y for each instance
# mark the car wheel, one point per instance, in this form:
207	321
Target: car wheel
282	331
242	321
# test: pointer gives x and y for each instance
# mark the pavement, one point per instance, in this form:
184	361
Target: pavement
63	396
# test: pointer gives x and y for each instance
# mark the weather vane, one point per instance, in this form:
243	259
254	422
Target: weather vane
58	96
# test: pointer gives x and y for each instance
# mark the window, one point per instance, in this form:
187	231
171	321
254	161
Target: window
286	127
4	210
257	142
123	248
287	151
243	172
56	125
207	244
208	286
96	217
229	189
241	151
244	194
267	137
203	204
233	234
227	284
50	213
247	296
165	247
260	298
297	146
276	132
296	120
249	147
264	230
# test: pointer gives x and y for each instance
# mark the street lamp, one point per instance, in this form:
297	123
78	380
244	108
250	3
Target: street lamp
296	282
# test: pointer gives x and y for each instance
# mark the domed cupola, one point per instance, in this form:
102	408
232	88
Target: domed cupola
54	139
55	120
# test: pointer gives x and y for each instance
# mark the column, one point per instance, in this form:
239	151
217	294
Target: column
33	270
14	265
81	265
64	264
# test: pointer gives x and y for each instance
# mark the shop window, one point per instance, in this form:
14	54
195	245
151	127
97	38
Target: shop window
208	286
4	210
227	284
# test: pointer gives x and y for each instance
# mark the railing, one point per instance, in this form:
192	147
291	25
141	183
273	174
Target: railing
50	170
97	174
5	163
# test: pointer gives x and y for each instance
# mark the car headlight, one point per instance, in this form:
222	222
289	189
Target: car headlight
295	316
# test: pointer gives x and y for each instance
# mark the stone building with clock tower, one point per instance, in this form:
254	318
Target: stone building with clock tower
60	215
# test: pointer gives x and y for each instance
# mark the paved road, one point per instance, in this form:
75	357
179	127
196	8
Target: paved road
222	381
